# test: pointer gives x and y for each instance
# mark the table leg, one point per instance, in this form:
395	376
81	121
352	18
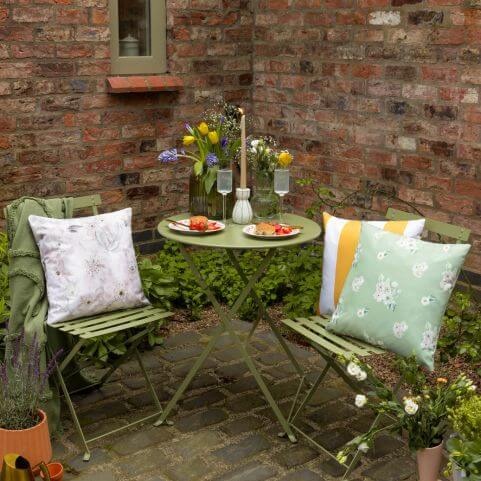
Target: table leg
264	311
227	326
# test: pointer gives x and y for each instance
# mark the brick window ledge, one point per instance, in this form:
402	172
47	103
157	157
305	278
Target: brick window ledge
143	83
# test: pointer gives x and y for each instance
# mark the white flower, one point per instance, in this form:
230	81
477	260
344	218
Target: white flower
360	400
410	406
363	447
362	312
472	388
255	143
353	369
419	269
362	375
399	329
357	283
381	255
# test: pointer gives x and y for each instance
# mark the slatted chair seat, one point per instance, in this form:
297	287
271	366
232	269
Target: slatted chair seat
336	349
314	330
96	326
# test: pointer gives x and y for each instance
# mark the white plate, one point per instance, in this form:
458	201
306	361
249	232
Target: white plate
250	230
186	229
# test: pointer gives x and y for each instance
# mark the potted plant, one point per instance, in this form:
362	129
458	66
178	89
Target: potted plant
264	159
422	413
212	144
23	425
464	447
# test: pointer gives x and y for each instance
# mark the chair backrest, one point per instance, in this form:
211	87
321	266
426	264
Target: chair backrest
88	201
460	234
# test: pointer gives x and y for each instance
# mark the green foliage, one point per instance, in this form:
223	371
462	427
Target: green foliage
462	328
466	418
294	276
465	448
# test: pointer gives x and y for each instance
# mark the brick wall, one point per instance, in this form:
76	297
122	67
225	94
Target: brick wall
385	90
378	90
62	134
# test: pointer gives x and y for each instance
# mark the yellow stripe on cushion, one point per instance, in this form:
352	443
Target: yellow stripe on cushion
396	227
346	250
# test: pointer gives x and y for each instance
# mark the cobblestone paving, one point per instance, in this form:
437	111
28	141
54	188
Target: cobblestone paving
223	429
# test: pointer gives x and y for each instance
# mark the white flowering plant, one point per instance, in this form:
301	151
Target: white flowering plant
264	157
422	412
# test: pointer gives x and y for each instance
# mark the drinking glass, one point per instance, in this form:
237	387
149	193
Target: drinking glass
281	186
224	187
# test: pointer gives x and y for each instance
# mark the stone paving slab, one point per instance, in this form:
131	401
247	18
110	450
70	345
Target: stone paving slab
223	428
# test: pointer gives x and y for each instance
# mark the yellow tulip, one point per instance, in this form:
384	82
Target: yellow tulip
285	159
188	139
213	137
203	128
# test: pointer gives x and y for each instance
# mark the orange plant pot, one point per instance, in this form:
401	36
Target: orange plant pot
33	443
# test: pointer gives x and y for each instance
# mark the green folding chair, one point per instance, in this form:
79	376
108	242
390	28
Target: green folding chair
137	323
336	349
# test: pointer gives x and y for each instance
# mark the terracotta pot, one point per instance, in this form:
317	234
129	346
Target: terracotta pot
33	443
429	463
55	471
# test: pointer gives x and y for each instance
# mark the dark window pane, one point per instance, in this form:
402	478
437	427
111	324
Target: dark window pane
134	28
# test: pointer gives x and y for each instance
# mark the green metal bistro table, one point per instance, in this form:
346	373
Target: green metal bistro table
233	240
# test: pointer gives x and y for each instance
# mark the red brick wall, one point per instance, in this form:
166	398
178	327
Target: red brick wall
62	134
385	90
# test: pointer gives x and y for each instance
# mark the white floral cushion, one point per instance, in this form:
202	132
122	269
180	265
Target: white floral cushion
89	264
396	292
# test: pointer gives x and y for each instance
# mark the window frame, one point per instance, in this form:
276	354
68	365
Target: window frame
156	63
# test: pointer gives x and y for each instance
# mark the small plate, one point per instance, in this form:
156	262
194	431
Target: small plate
250	230
186	229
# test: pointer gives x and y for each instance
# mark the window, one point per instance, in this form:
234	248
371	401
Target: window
137	36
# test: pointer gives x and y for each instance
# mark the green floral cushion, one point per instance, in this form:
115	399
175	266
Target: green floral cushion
396	292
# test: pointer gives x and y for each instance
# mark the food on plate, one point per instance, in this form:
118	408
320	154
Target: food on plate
264	228
267	228
199	222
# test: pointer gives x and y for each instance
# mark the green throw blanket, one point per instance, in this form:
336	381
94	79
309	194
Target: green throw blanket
27	283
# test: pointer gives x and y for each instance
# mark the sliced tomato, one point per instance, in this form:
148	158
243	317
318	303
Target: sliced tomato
286	230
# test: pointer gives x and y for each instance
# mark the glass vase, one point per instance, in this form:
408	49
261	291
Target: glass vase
208	204
264	202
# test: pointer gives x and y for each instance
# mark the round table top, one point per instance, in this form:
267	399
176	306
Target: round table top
232	236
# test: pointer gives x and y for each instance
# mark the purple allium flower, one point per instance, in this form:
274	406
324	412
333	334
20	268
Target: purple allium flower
211	160
222	119
168	156
224	142
187	126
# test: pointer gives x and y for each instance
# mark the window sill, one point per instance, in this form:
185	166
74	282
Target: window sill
144	83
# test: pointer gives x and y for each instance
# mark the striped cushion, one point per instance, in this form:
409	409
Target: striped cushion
340	241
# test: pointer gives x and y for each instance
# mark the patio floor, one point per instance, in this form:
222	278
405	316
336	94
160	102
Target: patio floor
223	430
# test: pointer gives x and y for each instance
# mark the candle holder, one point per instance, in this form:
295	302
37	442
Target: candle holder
242	213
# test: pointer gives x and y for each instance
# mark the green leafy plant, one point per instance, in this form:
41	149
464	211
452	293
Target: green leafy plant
293	277
422	413
462	328
465	446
